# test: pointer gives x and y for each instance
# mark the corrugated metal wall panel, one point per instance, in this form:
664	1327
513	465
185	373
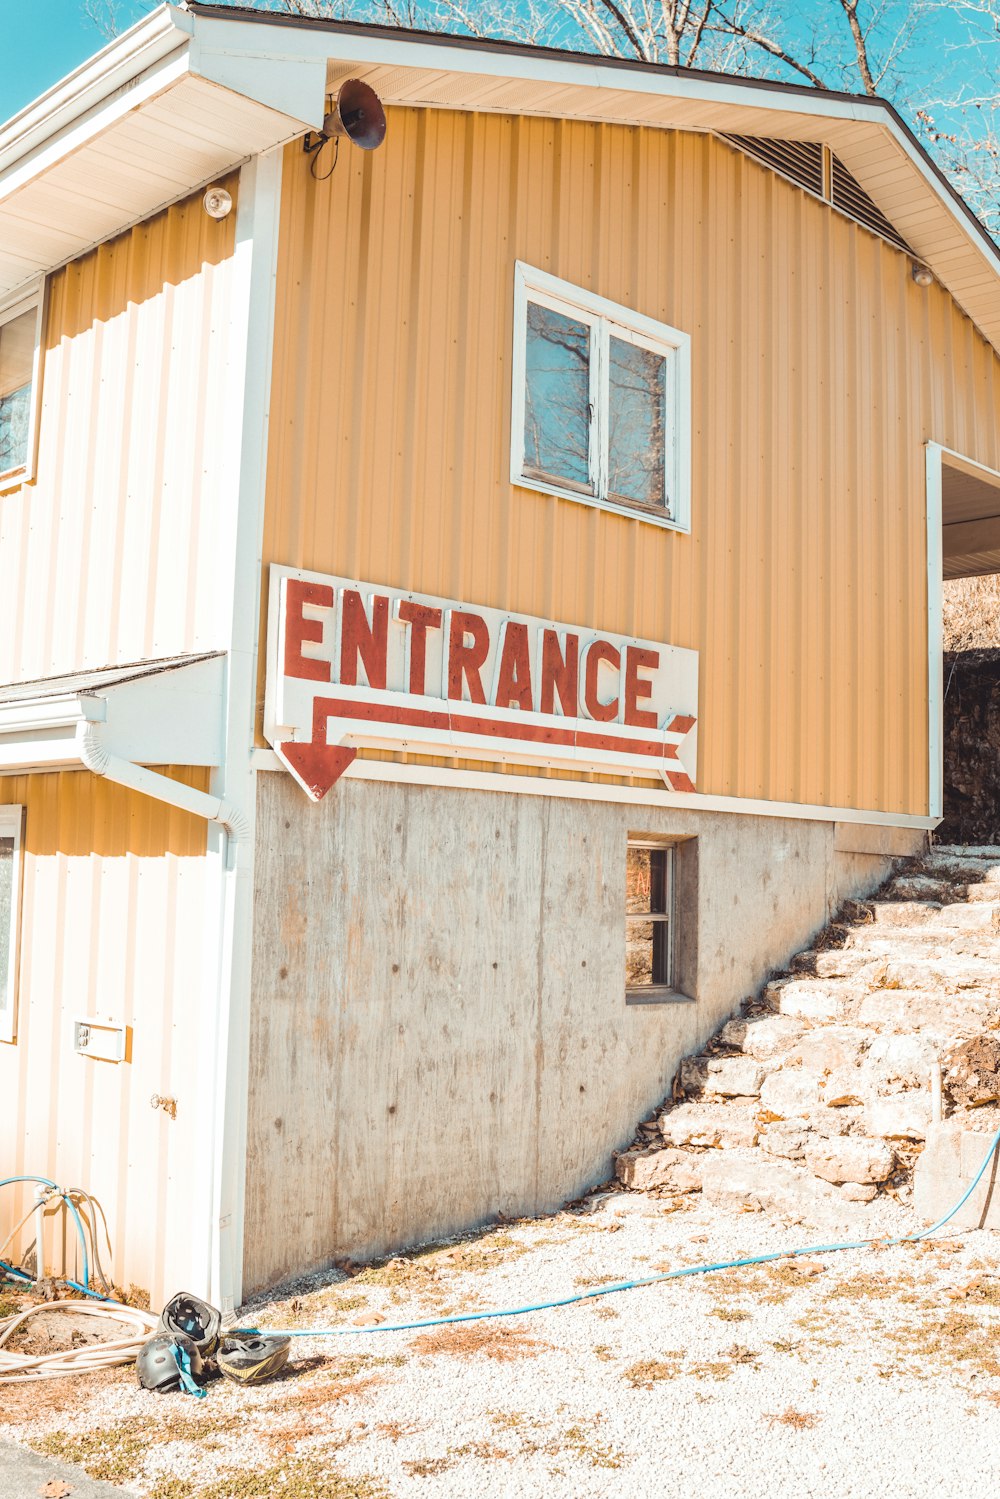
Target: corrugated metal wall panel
108	556
819	371
117	920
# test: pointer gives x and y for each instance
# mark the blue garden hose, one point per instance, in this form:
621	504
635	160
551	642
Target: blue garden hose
624	1285
43	1181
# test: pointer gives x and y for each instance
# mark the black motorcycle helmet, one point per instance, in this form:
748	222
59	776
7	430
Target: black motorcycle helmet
252	1359
161	1363
187	1316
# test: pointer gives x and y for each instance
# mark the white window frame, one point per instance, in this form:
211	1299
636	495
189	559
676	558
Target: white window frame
12	826
532	285
12	478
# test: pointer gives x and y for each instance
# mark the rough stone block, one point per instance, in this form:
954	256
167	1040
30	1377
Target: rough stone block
851	1158
807	999
786	1140
844	1087
776	1186
673	1169
828	1048
858	1191
789	1093
896	913
945	1169
901	1116
719	1127
765	1038
727	1077
902	1060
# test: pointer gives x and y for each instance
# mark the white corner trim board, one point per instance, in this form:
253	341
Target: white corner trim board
12	829
935	633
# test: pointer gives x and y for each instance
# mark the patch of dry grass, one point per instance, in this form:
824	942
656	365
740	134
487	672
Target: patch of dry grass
649	1371
463	1339
797	1420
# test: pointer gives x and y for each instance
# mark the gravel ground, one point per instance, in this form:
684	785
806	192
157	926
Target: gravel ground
855	1374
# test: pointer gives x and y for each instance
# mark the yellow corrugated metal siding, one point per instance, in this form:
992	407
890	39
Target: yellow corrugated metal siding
116	921
819	371
109	554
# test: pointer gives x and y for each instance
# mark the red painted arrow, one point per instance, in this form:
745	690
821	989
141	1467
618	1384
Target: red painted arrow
317	766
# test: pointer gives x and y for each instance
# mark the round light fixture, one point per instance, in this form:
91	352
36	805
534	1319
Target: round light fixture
921	275
217	203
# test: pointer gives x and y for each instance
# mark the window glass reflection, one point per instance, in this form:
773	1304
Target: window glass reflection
637	424
557	397
17	351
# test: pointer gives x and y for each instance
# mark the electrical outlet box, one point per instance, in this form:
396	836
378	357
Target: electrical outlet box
104	1040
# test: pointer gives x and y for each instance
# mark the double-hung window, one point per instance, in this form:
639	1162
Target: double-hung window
20	342
601	402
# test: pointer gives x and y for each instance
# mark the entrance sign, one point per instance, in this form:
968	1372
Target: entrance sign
352	663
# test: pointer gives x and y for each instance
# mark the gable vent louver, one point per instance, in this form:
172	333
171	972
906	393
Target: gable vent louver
849	196
802	162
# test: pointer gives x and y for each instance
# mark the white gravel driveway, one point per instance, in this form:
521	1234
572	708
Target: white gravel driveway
861	1375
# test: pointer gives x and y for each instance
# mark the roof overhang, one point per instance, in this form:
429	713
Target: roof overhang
970	517
153	713
189	92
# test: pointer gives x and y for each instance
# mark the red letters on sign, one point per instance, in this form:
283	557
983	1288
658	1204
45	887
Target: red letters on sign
298	629
560	674
636	687
420	618
600	650
514	672
466	660
362	641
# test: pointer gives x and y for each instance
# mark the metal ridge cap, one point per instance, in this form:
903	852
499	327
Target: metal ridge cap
164	31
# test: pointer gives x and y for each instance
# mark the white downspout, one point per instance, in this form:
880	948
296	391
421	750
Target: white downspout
99	759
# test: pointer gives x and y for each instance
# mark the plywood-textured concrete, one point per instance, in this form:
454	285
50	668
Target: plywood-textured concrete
439	1026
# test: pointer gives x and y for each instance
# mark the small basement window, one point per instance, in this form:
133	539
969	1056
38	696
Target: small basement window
10	901
601	402
649	910
20	340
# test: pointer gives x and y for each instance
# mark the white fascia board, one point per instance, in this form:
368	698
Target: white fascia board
167	718
94	84
293	86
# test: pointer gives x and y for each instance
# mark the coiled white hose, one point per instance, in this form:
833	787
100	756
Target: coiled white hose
24	1368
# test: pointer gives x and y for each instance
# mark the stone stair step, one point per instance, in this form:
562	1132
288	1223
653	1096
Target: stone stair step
944	851
734	1179
928	1011
926	887
707	1126
721	1077
947	974
832	962
811	999
957	917
875	950
763	1038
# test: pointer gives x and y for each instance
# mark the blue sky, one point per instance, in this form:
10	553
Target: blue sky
43	40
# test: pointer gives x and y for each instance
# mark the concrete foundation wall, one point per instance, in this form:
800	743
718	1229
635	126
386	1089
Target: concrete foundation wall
439	1027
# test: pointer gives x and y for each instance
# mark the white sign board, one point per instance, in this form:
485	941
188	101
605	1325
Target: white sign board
352	663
